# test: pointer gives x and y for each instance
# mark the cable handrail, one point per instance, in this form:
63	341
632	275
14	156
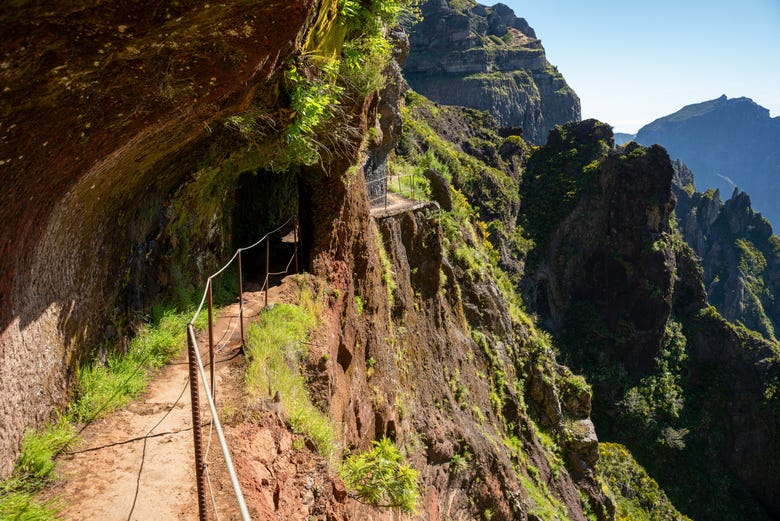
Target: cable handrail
220	435
196	366
266	236
228	263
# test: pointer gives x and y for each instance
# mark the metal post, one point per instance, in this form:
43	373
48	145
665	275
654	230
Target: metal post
200	468
211	338
295	237
267	264
240	298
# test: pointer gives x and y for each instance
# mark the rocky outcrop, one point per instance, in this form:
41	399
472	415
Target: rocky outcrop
728	143
613	278
739	253
108	111
489	59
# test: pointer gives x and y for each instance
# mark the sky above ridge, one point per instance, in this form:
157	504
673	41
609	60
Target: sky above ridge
634	61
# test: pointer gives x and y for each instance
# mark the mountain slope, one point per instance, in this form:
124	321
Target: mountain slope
464	53
727	143
673	380
739	253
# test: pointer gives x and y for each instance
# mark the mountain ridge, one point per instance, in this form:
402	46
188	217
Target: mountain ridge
728	143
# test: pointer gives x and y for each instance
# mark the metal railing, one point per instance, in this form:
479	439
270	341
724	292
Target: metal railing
394	182
196	368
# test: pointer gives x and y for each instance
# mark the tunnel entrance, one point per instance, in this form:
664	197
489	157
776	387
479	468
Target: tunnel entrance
266	202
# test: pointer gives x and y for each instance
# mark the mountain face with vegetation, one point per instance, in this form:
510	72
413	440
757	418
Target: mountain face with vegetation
739	253
464	53
686	391
727	143
150	142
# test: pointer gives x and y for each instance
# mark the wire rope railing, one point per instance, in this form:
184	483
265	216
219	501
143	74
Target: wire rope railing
197	368
403	184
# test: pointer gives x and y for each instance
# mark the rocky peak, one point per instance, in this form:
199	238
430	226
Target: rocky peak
489	59
739	253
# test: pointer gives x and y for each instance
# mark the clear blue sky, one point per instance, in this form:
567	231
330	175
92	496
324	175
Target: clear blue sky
633	61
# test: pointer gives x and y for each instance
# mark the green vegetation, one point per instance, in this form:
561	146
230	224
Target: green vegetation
275	348
654	406
557	175
100	389
379	477
637	496
33	470
105	387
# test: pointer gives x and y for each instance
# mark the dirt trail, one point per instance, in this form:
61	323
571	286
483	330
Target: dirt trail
99	480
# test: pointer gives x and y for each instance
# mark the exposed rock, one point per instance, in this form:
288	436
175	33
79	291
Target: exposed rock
489	59
611	274
728	143
739	253
440	188
108	110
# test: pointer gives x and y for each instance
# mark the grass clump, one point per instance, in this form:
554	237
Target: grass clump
275	347
379	477
106	387
33	469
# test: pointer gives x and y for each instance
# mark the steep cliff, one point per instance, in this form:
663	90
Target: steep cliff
728	143
673	380
114	144
172	134
464	53
739	253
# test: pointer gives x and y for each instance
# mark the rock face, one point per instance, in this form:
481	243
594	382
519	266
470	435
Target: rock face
673	380
727	143
489	59
739	253
108	111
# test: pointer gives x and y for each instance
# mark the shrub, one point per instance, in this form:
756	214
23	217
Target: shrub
380	478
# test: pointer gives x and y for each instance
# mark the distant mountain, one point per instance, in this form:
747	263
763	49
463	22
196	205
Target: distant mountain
487	58
738	251
621	138
729	143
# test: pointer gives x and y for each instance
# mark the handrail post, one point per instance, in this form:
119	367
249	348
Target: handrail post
240	298
197	435
211	338
295	238
267	268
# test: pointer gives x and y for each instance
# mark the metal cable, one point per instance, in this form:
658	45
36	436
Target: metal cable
267	235
223	268
211	493
220	435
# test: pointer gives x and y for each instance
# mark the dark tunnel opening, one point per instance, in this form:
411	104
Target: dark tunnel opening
264	202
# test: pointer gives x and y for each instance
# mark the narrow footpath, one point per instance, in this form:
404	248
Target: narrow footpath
137	464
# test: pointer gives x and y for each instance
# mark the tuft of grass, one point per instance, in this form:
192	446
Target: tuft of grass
22	506
275	347
33	469
103	388
36	461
